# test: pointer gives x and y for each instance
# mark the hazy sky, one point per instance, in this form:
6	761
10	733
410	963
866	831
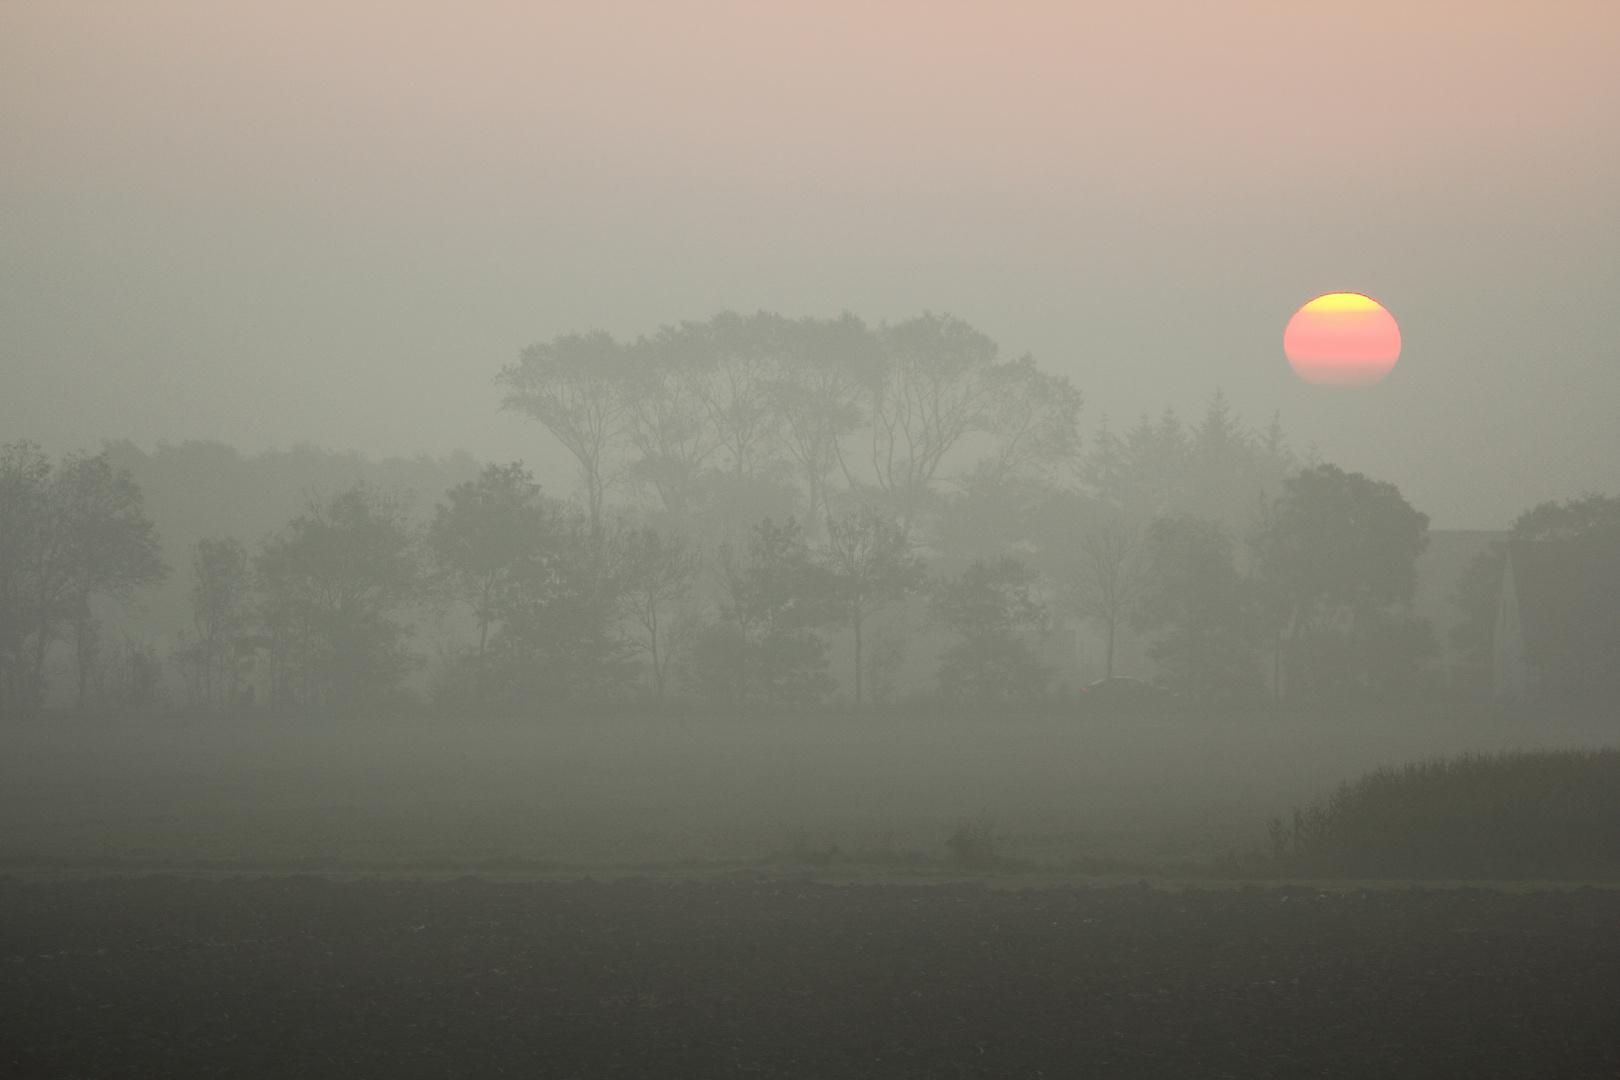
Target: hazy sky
333	223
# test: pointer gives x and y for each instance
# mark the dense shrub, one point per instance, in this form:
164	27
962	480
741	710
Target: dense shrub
1548	815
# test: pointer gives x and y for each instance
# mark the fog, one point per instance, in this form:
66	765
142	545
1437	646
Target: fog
899	359
297	224
235	235
850	800
708	538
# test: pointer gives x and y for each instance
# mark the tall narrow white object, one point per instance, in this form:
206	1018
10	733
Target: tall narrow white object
1507	647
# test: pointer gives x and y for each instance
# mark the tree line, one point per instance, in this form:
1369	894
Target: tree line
752	491
68	534
1578	651
741	417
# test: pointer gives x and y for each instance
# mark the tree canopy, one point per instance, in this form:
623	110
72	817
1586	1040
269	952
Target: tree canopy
718	413
68	534
1337	556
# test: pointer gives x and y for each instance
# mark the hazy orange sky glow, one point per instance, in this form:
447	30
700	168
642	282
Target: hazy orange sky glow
338	220
1266	96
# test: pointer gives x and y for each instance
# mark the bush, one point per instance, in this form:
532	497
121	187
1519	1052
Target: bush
1547	815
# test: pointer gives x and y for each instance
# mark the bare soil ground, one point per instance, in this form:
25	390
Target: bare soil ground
727	960
311	977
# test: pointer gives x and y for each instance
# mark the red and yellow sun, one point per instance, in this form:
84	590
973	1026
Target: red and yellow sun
1342	339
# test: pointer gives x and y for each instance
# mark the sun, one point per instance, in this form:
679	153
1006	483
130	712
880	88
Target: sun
1342	339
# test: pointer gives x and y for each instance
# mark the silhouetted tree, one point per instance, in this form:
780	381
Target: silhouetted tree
657	572
1215	471
1478	589
1196	601
111	544
35	575
870	565
129	678
724	415
936	385
1108	582
1103	469
1336	553
334	585
221	614
558	644
818	396
1035	419
742	416
574	385
735	364
67	536
987	604
490	537
1231	466
1158	461
665	422
775	597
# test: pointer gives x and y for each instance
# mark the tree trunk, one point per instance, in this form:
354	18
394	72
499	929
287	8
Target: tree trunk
1276	670
83	646
858	662
208	672
658	672
35	692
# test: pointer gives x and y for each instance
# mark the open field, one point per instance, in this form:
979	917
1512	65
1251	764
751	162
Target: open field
283	977
771	897
632	795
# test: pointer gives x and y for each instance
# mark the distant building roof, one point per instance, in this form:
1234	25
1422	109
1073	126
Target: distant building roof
1438	568
1564	596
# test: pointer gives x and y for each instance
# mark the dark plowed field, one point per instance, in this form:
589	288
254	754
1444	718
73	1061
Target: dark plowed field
311	978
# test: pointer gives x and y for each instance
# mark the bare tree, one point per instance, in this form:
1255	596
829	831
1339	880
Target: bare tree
937	385
818	398
1035	418
1110	580
657	571
665	421
733	369
574	386
871	565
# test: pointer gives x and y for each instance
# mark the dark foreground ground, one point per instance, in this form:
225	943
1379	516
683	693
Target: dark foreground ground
304	977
